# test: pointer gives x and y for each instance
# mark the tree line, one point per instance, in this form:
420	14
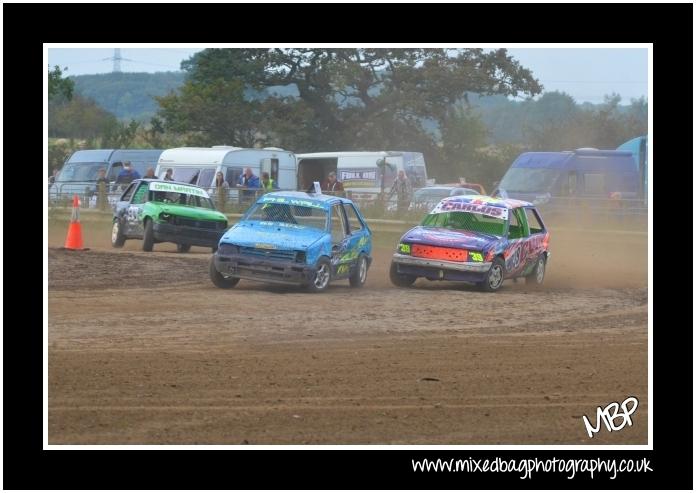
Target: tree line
470	111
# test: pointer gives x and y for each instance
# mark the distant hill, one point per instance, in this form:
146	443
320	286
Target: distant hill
128	95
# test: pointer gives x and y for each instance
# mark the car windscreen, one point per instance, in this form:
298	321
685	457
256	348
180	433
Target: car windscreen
80	171
430	194
529	180
466	221
181	199
310	217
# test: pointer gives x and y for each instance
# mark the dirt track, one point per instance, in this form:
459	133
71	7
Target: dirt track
143	349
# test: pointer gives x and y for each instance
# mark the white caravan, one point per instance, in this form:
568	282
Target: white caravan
359	171
198	165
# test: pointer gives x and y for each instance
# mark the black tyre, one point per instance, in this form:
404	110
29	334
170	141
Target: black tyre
149	236
214	249
360	275
401	280
495	276
322	277
117	237
218	279
183	247
536	277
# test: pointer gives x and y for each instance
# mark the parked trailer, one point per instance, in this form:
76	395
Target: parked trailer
198	165
359	171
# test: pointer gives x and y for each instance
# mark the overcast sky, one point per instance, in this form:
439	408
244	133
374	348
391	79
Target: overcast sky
587	74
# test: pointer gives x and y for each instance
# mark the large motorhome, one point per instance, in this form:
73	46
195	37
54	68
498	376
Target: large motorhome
639	148
198	165
584	173
360	171
80	172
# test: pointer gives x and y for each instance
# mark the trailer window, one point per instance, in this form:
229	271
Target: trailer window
206	177
232	176
185	175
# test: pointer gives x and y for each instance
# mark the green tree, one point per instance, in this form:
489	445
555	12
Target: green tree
58	87
212	112
78	118
349	98
120	135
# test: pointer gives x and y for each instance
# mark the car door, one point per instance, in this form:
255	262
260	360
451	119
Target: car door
340	258
358	236
122	205
135	210
518	235
538	237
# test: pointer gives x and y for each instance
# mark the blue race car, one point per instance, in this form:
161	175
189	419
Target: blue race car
295	238
476	239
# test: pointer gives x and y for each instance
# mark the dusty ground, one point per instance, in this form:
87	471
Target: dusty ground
143	349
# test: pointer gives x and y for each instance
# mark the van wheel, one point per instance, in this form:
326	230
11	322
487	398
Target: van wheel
322	277
183	247
218	279
401	280
536	277
149	236
117	236
360	275
495	276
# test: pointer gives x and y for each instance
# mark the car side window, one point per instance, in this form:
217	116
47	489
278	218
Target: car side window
128	193
338	225
518	224
140	195
534	222
353	219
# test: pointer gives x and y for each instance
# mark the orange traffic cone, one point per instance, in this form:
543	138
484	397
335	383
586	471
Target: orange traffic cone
74	239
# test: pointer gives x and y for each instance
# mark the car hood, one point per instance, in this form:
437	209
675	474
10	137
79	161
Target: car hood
192	212
272	235
450	238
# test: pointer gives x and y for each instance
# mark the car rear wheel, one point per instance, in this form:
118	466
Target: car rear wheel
401	280
224	282
360	275
117	237
183	247
322	277
536	277
495	276
149	236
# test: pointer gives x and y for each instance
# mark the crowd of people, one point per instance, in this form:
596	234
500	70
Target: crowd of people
250	184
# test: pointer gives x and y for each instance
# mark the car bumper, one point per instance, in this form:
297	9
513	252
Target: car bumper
187	235
441	269
259	269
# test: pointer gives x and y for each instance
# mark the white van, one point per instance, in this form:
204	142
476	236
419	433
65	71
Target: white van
359	171
198	165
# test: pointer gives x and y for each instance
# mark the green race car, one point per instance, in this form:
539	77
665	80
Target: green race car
157	211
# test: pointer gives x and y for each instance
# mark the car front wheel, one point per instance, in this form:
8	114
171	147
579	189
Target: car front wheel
495	276
183	247
117	236
223	282
401	280
321	278
149	236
